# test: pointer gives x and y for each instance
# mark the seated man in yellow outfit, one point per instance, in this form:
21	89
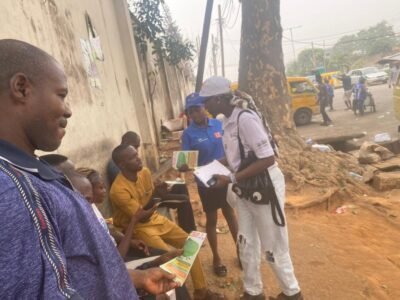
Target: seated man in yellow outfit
133	188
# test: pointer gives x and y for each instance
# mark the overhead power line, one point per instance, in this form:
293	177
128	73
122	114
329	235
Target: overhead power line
236	18
395	34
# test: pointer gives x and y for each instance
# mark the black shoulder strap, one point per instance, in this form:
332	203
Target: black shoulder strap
43	226
241	147
274	202
272	141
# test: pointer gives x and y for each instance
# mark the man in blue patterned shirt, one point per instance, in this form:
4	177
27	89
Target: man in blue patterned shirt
51	247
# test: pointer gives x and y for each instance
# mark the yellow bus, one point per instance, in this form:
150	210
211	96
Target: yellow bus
333	81
304	99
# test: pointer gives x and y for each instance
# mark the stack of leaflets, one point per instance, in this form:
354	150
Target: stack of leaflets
205	173
188	158
181	265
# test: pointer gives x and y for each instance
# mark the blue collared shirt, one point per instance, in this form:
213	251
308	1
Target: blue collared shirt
95	269
206	140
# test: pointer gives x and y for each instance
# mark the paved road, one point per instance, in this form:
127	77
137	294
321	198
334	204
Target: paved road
345	122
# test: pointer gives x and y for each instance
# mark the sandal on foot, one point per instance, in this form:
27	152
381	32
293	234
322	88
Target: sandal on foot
220	271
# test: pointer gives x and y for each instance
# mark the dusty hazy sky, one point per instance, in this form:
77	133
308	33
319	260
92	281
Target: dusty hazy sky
317	20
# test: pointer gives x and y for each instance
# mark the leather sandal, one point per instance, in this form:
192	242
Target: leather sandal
220	271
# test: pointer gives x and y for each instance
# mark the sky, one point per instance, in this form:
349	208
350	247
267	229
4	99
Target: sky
318	21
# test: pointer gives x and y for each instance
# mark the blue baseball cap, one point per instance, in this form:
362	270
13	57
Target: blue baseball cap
194	99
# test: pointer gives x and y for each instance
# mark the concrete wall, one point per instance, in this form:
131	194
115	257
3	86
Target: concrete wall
166	86
121	102
100	115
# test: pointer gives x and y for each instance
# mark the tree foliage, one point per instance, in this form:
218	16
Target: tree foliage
307	60
151	24
349	50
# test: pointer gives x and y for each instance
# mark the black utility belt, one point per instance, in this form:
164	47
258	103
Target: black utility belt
262	197
254	196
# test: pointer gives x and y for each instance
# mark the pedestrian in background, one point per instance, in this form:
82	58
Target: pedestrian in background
323	100
329	89
360	94
348	89
394	73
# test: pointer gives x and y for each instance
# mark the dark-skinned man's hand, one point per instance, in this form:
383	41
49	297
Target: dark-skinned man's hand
147	213
160	189
155	280
140	215
222	181
140	245
167	256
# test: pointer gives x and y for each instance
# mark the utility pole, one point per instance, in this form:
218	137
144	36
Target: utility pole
203	46
214	49
324	55
221	37
292	40
312	52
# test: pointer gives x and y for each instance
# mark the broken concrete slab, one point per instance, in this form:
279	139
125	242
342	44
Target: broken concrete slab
393	146
369	172
384	181
388	165
339	138
372	153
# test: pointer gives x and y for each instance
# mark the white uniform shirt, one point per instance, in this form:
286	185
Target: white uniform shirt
252	133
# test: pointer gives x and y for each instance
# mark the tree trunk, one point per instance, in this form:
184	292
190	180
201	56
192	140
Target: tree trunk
262	72
261	68
262	75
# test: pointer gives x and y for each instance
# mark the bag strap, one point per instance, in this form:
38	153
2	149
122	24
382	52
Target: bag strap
241	147
43	227
274	202
275	206
272	141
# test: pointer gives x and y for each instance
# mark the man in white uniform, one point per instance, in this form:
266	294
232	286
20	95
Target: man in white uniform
258	229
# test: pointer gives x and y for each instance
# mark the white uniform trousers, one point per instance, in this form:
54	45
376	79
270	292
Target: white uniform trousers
259	234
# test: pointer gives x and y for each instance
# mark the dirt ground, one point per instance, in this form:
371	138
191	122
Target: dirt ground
348	253
352	255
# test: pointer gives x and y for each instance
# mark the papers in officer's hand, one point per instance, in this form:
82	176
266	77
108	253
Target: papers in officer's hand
205	173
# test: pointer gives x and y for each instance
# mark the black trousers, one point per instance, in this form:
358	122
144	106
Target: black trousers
185	210
325	117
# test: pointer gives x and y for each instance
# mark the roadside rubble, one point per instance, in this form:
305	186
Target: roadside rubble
379	161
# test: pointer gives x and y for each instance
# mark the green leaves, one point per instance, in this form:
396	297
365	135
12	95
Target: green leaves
152	25
350	51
